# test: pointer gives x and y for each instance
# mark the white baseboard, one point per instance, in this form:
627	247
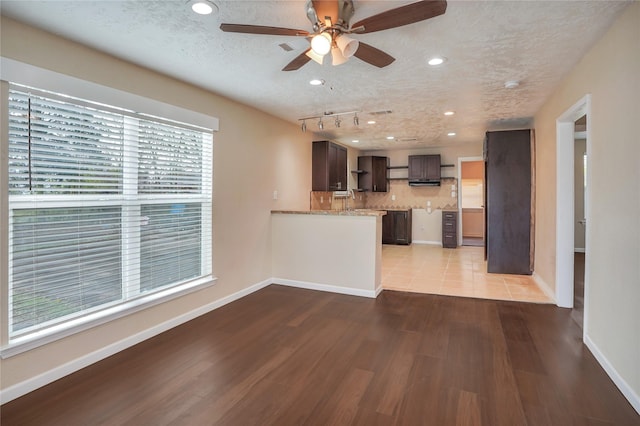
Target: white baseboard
624	387
328	288
544	287
431	243
54	374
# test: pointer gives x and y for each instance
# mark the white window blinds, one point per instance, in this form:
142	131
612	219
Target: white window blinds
105	206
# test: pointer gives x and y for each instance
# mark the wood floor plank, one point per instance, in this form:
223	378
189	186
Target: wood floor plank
286	356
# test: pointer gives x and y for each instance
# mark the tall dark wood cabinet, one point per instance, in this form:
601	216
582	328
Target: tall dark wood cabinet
373	173
329	167
509	215
396	227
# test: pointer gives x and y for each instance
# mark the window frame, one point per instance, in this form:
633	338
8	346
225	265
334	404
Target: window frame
29	75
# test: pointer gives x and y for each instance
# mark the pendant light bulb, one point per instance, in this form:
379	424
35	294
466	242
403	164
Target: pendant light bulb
321	44
338	121
304	126
356	120
320	124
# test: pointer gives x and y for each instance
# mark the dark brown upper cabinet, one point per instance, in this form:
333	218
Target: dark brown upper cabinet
424	170
328	167
372	173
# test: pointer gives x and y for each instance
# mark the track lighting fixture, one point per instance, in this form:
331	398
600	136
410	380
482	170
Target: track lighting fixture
336	115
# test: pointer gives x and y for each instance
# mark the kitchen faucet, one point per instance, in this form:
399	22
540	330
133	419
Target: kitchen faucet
350	194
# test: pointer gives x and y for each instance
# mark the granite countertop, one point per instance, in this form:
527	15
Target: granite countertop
355	212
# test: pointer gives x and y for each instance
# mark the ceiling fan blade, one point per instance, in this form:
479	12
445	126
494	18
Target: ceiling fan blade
404	15
259	29
298	62
373	56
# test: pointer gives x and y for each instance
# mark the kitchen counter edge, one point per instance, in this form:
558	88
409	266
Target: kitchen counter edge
361	212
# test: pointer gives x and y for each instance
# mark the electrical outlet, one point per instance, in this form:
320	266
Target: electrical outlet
453	194
393	197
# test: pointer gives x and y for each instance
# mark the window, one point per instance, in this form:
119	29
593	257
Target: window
106	207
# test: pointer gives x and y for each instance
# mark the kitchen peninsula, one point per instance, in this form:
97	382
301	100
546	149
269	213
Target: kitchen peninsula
330	250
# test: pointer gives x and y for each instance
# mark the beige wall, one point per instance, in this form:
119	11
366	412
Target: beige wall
254	154
609	72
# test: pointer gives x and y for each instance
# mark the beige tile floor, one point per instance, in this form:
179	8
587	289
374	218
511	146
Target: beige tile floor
453	272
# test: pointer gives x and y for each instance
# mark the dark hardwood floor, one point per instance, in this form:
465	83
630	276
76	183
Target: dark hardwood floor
285	356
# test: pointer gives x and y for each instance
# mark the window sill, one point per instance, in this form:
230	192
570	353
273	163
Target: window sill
33	340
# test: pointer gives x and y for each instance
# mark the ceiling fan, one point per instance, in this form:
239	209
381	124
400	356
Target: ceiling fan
330	21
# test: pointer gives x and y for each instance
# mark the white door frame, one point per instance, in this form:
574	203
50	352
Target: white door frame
460	161
565	146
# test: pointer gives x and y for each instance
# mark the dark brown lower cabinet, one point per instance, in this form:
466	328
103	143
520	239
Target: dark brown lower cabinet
396	227
449	229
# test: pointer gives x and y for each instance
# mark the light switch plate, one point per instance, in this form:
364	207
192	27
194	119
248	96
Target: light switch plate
275	195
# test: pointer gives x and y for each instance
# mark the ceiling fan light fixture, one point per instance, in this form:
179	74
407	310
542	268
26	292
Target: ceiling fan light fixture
347	45
321	44
337	58
204	7
313	55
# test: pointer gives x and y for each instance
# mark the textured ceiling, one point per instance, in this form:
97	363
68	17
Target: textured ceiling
486	43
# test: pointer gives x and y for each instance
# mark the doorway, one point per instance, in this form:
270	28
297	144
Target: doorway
471	207
579	222
566	205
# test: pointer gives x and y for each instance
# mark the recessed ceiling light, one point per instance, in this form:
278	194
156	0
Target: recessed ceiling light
316	82
449	113
204	7
371	122
355	141
451	134
390	138
436	60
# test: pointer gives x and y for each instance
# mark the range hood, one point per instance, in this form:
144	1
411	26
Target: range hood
424	182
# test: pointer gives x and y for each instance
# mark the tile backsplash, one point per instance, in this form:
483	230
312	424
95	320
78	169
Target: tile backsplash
415	197
406	197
